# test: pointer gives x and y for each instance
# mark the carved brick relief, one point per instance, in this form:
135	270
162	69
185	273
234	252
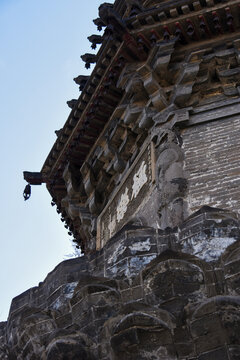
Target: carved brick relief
128	197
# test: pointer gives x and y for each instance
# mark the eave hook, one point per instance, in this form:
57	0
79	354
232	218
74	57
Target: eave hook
27	192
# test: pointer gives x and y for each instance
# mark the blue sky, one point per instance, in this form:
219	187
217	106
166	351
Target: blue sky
40	47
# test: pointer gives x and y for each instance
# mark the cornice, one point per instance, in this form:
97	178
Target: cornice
158	22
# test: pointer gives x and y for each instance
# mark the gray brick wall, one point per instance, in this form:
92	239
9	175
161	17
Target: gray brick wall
212	164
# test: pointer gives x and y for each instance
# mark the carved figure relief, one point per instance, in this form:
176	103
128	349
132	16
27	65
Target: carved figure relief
171	181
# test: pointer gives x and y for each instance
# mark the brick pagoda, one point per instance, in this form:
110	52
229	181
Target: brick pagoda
146	176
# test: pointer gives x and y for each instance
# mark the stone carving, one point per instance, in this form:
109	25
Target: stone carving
115	26
81	80
89	59
95	39
99	23
72	103
171	180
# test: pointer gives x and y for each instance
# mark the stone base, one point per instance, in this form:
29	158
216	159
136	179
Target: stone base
148	294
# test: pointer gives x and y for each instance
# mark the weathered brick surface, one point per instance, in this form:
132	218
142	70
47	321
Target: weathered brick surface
180	302
212	164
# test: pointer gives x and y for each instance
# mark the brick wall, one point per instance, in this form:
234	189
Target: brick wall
212	164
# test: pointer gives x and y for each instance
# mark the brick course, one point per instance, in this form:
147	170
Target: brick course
212	164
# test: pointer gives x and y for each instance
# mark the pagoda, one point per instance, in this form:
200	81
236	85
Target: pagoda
145	174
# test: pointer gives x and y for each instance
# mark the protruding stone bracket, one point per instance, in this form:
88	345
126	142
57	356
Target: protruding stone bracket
81	80
34	178
94	40
89	59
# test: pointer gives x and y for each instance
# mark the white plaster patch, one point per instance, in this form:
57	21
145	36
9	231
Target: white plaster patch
112	225
69	289
122	206
208	249
137	263
57	304
139	179
67	293
140	246
119	250
218	221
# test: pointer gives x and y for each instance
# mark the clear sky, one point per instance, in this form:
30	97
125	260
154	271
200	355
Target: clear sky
40	47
